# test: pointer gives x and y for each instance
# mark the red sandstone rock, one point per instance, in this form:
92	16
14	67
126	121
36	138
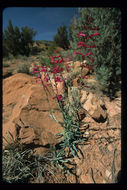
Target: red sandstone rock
24	99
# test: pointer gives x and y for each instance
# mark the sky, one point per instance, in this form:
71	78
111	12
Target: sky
45	20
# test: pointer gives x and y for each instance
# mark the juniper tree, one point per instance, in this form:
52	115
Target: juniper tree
61	38
11	38
16	41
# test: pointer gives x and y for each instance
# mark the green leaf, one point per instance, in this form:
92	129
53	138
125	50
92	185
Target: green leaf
72	152
60	166
75	149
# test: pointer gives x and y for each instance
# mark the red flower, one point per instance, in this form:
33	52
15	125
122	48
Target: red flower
46	78
86	28
56	56
67	68
87	46
80	34
52	58
38	81
38	77
89	53
61	60
89	67
78	53
56	70
80	44
91	59
84	77
43	69
35	68
57	79
96	34
59	97
74	52
35	72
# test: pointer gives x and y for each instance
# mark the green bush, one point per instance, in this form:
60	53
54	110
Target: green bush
23	68
107	55
21	57
16	163
44	60
19	165
6	64
51	49
61	38
16	41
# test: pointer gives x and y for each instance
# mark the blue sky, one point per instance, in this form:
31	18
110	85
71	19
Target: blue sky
45	20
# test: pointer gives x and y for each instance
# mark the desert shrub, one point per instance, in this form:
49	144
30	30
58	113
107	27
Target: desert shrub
23	68
21	57
10	57
16	163
35	50
44	60
6	64
51	49
20	165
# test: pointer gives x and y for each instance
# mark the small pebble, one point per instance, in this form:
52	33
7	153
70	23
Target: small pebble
79	171
108	174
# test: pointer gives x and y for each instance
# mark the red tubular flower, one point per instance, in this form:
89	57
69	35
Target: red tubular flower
61	60
38	81
78	53
80	34
57	61
87	46
38	77
56	70
83	35
74	52
58	97
56	56
51	62
43	69
91	59
46	78
57	79
35	68
68	68
51	58
89	53
89	67
35	72
84	77
85	28
80	44
96	34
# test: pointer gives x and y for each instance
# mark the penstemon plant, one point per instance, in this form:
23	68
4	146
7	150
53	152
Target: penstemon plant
71	135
